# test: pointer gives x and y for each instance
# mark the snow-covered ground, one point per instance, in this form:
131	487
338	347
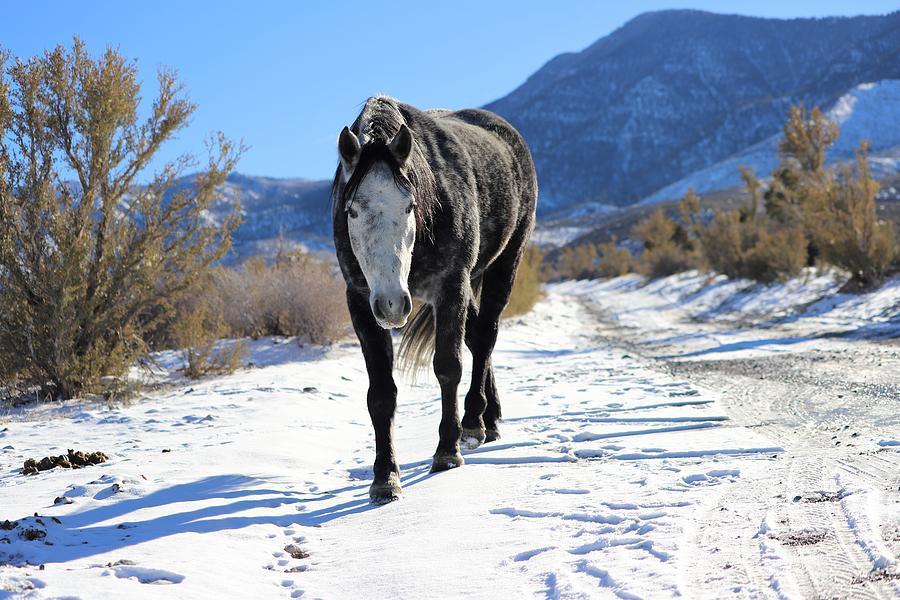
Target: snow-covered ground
705	315
609	481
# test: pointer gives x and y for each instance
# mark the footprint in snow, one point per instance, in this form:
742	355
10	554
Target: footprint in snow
146	575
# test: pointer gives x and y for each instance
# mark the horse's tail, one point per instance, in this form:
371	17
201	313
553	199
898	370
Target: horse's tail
417	341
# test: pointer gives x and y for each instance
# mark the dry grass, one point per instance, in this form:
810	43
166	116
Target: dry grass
614	260
295	297
527	288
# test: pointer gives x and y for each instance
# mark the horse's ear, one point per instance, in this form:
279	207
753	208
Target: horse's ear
348	147
401	145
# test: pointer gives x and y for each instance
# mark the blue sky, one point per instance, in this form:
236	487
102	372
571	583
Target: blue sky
286	76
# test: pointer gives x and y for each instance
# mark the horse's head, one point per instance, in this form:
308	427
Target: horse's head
380	208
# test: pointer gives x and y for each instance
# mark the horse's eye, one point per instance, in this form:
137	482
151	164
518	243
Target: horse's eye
352	212
410	207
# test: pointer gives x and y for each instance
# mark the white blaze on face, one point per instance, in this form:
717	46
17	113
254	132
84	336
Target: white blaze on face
382	227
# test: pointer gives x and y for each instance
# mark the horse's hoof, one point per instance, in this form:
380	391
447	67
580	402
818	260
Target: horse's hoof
444	461
383	492
491	435
472	438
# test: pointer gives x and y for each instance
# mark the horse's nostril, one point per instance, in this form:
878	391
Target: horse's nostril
377	310
407	304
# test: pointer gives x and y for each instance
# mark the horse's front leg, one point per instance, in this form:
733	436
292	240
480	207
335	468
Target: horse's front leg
450	325
378	351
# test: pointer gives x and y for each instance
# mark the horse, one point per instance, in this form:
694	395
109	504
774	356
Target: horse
437	206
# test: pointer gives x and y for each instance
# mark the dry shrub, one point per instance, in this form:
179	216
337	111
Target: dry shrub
665	259
298	296
614	260
779	254
725	241
668	247
198	334
527	288
740	246
89	259
844	226
575	262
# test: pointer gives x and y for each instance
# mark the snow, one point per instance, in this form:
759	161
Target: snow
810	307
601	486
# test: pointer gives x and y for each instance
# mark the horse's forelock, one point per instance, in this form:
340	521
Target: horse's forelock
416	175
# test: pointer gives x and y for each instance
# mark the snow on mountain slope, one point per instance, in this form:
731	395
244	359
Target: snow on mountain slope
870	111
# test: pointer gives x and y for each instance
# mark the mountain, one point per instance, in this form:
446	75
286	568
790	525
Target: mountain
293	212
870	112
674	92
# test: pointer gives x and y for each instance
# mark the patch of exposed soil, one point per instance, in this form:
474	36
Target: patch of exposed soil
801	538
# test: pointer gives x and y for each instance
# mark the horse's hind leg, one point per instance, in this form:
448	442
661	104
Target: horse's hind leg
450	311
492	412
482	414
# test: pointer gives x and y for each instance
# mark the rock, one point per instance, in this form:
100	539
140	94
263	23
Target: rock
63	500
8	525
296	551
32	533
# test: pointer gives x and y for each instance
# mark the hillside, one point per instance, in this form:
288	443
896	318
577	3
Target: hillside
870	112
674	92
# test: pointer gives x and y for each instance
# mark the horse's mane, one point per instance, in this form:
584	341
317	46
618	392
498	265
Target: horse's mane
379	122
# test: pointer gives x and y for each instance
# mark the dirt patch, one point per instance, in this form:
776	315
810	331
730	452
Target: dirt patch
877	576
801	538
73	460
820	497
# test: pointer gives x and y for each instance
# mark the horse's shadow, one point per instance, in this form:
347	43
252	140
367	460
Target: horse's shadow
229	502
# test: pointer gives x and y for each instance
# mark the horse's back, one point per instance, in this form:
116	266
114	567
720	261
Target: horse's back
513	163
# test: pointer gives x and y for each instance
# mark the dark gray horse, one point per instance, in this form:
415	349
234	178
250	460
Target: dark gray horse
435	205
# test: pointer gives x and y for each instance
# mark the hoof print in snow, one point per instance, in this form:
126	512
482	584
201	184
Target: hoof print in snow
145	575
445	462
383	492
296	569
472	438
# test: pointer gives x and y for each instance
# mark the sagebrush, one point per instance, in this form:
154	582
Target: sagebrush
294	296
94	248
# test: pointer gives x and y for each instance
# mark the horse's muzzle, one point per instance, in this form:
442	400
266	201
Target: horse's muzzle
391	310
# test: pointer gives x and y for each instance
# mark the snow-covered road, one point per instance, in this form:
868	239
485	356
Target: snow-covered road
614	478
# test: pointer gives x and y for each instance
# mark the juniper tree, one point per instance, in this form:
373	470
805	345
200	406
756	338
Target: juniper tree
94	248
